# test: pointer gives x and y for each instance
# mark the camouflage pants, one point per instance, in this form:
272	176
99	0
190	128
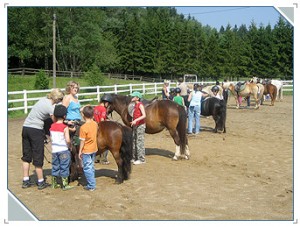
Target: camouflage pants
138	142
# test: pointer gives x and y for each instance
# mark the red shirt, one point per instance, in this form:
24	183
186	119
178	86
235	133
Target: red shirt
99	112
137	113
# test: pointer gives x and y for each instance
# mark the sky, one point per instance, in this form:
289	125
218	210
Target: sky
218	16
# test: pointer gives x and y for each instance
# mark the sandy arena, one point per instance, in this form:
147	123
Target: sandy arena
245	174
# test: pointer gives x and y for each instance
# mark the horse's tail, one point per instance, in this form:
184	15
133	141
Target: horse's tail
181	129
223	110
126	151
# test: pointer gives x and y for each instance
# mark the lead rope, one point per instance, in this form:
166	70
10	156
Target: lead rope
45	145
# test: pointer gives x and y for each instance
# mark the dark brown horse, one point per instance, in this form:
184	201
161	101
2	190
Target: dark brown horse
117	139
272	91
160	114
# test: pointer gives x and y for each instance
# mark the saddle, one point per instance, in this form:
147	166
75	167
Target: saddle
149	102
240	87
145	102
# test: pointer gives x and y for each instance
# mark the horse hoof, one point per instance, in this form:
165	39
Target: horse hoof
118	181
186	157
175	158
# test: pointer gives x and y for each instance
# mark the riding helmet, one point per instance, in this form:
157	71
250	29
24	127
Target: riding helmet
177	90
60	111
215	88
106	98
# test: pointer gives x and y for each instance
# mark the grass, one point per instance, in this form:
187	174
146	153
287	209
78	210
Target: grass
20	83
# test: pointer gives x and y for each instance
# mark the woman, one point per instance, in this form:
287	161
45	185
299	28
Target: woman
33	136
195	109
71	101
166	90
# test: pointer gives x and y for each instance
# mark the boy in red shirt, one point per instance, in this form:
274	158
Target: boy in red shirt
100	115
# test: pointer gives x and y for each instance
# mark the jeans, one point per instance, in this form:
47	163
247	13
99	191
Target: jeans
194	115
61	163
89	169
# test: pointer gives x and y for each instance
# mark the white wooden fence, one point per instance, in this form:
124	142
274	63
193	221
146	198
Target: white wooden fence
24	100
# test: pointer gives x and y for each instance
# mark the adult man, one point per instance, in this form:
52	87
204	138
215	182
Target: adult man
183	87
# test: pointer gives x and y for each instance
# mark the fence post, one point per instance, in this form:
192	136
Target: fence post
116	89
130	88
155	88
25	102
144	90
98	94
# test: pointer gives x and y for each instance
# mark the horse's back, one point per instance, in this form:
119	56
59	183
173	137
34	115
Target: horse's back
210	106
109	134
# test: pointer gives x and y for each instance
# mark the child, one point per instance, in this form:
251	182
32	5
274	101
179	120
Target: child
88	146
178	99
139	125
61	156
215	90
100	115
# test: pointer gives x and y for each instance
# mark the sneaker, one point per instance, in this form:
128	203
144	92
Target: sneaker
27	184
138	162
105	162
42	185
88	189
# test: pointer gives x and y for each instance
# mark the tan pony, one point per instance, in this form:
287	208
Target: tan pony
245	90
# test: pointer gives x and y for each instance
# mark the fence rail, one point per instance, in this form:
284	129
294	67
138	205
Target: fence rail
30	71
24	100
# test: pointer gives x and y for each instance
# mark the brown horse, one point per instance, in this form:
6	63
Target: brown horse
117	139
272	91
160	114
245	90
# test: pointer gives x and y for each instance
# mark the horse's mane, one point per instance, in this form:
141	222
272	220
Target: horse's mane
124	98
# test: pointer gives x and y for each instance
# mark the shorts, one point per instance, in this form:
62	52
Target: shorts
33	146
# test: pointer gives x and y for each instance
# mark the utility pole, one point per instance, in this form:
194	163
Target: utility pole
54	51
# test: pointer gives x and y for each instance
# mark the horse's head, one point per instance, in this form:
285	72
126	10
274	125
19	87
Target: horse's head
119	103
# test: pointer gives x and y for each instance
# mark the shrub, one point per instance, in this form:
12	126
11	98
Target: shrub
94	77
41	81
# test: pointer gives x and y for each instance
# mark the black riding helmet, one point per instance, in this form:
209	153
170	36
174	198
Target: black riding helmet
215	88
106	98
177	90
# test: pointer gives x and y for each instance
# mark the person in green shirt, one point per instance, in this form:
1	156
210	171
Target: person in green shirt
178	99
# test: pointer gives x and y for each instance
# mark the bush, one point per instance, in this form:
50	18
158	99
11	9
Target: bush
94	77
41	81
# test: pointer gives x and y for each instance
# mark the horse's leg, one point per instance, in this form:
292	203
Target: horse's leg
118	159
272	98
256	101
176	139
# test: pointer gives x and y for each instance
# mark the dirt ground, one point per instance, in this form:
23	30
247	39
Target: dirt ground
245	174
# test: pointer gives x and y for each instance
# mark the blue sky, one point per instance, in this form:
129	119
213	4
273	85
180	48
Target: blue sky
218	16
